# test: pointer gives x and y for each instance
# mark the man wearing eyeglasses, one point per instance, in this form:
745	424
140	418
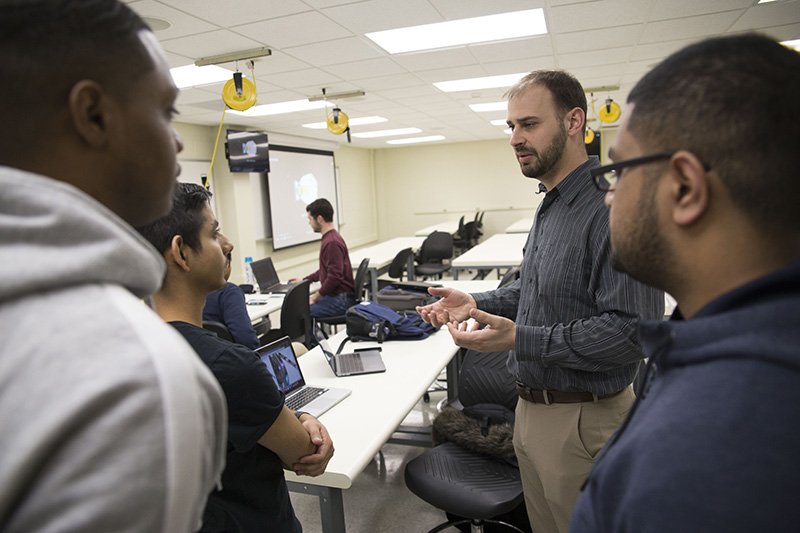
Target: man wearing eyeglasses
711	182
570	319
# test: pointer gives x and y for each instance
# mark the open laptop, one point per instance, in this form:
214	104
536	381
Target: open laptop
267	277
361	361
281	362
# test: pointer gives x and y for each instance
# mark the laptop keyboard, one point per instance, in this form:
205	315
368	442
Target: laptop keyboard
349	363
304	397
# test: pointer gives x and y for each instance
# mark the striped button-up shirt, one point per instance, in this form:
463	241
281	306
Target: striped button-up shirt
576	316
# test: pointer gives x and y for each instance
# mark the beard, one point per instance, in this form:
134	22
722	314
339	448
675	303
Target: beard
639	249
545	161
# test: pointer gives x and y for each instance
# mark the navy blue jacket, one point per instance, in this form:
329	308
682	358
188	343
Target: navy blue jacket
714	442
228	306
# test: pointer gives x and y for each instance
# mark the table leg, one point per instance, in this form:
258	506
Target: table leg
331	505
453	369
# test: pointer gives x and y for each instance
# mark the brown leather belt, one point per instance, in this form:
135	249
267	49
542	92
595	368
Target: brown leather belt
553	396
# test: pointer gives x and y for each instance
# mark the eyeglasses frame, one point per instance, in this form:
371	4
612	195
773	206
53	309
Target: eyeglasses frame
618	166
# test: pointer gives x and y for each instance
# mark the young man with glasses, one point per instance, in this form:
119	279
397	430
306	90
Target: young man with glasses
703	199
570	319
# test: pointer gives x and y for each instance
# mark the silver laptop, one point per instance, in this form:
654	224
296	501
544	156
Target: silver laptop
360	361
267	277
281	362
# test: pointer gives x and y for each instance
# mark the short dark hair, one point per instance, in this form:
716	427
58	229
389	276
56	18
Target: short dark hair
321	206
567	91
733	102
46	46
185	218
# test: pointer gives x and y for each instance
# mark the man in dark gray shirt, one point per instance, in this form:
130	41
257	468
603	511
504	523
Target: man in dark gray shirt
570	319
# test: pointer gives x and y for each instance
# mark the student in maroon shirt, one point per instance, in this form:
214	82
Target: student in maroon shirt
336	292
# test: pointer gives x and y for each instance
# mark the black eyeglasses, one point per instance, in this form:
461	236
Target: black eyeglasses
605	177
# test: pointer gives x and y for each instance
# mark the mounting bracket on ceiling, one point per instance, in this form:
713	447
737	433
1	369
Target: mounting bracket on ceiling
233	56
335	96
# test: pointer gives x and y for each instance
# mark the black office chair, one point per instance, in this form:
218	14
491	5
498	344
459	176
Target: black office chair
471	487
435	255
295	317
360	286
460	238
219	328
398	267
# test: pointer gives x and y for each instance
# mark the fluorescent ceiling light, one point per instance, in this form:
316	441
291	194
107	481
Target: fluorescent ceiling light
503	26
361	121
507	131
491	106
192	76
412	140
387	133
794	44
280	108
472	84
498	122
765	1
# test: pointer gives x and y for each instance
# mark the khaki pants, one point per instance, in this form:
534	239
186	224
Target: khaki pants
556	445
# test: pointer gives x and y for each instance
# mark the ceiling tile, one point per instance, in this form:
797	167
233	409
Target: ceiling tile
209	44
591	15
294	30
583	41
691	27
333	52
230	13
377	15
181	23
771	14
367	68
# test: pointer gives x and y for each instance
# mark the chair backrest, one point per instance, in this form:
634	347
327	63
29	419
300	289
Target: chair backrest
219	328
360	282
295	312
510	277
399	263
460	230
436	247
485	378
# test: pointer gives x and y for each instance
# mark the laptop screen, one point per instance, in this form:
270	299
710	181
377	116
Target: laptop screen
281	362
326	350
265	273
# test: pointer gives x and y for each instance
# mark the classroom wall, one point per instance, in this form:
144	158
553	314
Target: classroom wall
423	185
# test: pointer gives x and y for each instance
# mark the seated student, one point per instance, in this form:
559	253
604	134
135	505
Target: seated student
335	274
227	306
263	434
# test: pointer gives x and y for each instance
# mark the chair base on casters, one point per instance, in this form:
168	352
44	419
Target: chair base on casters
476	526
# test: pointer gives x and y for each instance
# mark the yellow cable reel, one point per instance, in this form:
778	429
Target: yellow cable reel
239	93
588	137
337	121
609	112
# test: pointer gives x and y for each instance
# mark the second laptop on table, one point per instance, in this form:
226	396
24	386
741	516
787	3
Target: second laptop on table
267	277
361	361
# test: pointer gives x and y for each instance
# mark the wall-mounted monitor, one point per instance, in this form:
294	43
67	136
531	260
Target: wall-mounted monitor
247	151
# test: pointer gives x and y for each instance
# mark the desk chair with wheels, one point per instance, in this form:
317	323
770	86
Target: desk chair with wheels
295	317
360	285
471	487
436	249
219	328
398	267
